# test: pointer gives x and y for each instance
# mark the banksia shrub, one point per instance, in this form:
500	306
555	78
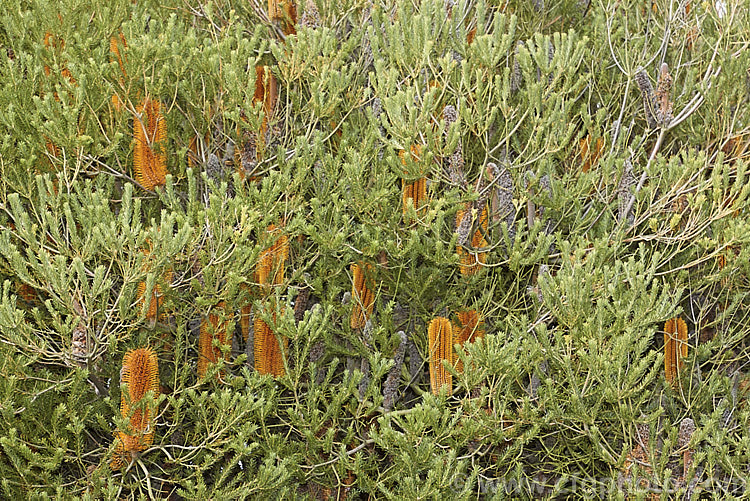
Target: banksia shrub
140	375
363	295
460	130
269	352
149	145
440	335
215	338
675	347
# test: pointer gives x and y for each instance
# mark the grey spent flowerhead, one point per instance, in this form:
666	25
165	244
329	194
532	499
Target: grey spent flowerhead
687	428
464	227
623	193
377	107
311	16
649	98
214	169
390	387
450	115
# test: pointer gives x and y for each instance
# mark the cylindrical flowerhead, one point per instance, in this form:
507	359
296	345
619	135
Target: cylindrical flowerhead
150	145
213	327
270	268
469	328
138	377
285	13
675	347
269	352
363	296
440	334
413	193
266	93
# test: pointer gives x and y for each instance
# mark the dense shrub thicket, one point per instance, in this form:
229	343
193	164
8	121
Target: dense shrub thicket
241	246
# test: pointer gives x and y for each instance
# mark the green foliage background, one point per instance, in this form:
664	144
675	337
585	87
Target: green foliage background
572	362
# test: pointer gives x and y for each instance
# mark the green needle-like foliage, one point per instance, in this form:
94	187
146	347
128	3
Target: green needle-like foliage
588	158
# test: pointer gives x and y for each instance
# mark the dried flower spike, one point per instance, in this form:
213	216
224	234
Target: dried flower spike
675	347
440	334
311	16
363	296
213	328
623	194
649	99
455	159
140	373
663	90
390	387
501	202
269	352
150	145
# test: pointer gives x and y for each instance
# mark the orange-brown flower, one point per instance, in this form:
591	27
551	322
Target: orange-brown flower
269	352
363	296
139	376
214	327
675	347
150	145
440	334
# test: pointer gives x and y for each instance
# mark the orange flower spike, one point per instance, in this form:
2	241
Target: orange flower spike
213	328
590	156
269	353
114	48
470	262
285	12
675	347
266	92
470	327
140	373
415	190
272	260
150	145
440	334
362	295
